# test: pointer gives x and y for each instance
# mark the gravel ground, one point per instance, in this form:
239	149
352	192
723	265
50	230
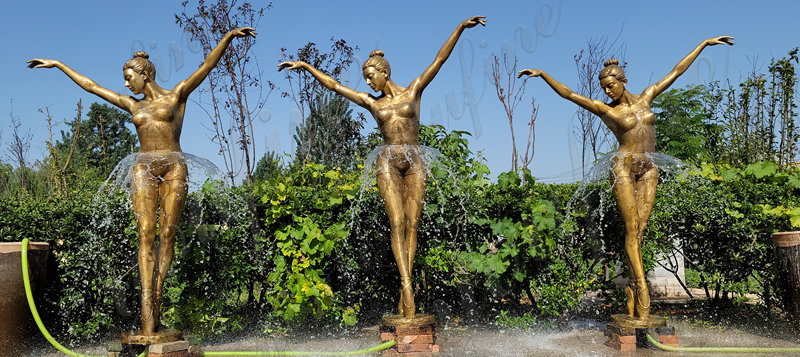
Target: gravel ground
581	338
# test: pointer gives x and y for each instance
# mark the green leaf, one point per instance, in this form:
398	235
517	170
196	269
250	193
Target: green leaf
734	213
794	217
762	169
794	180
507	180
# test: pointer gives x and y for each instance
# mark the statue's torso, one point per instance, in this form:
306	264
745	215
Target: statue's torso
158	123
634	127
398	118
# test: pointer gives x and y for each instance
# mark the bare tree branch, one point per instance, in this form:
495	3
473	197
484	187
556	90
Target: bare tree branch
510	92
589	130
234	82
20	142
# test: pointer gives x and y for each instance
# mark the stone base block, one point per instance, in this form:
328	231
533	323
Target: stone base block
169	349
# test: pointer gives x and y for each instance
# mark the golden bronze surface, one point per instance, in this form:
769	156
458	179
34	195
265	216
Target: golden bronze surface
634	176
420	319
401	177
623	320
159	173
138	337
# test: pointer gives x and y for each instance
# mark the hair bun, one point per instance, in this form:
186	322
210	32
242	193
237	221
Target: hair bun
611	62
141	54
376	53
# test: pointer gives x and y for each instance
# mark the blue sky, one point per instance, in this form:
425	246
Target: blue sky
97	37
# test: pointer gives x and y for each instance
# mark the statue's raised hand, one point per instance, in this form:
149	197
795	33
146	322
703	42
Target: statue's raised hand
291	65
726	40
243	32
530	73
474	21
41	63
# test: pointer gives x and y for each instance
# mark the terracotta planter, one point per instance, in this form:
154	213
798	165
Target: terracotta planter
787	255
17	328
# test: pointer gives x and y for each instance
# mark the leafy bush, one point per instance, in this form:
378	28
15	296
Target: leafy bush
720	218
93	243
312	244
305	211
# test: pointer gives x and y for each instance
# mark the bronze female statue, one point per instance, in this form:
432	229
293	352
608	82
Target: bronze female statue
634	176
159	172
400	171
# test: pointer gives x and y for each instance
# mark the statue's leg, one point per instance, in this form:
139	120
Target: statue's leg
145	205
645	198
624	187
390	184
172	193
415	194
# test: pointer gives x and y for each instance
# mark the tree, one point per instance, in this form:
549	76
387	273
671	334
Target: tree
686	127
784	79
20	142
18	148
56	169
590	130
329	134
235	86
510	94
759	115
267	167
101	141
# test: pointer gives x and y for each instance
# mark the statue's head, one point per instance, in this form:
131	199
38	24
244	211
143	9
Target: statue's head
137	71
612	79
376	70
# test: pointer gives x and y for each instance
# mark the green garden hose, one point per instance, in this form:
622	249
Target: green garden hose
32	305
377	348
722	349
67	352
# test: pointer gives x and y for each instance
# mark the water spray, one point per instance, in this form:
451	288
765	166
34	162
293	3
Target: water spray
385	345
66	351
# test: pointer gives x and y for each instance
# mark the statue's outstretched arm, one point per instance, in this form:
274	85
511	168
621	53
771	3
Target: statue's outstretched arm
185	87
427	76
360	98
662	85
124	102
595	106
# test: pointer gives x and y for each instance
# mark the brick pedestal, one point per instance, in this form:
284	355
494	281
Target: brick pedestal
627	339
621	338
412	341
666	336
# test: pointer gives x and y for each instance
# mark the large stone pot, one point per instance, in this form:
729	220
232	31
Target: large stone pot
787	255
17	328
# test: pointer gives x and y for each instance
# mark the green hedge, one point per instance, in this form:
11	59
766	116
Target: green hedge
311	245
